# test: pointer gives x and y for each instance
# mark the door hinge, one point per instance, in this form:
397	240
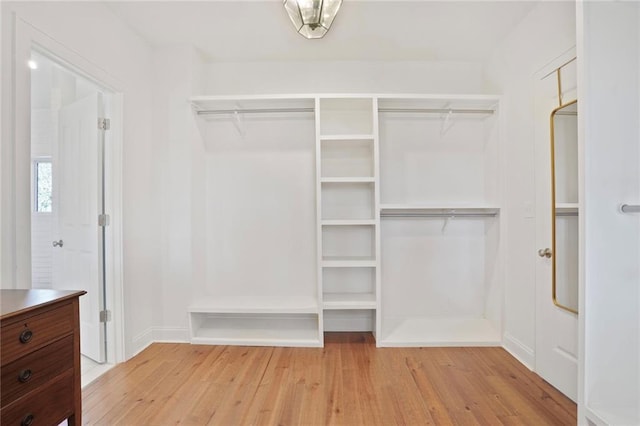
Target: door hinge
103	220
105	316
104	123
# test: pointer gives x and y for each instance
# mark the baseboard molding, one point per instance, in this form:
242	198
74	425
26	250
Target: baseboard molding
141	342
520	351
158	335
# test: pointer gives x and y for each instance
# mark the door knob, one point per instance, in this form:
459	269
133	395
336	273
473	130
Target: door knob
544	253
58	243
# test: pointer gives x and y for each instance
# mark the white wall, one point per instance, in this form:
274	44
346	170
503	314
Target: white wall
343	77
91	32
179	170
546	33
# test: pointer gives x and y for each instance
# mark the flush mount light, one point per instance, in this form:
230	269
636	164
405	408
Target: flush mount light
312	18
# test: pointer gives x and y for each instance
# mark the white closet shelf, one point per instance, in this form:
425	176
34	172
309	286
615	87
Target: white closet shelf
255	103
228	305
348	222
255	330
437	210
347	137
354	179
349	301
443	332
566	207
438	103
348	262
603	417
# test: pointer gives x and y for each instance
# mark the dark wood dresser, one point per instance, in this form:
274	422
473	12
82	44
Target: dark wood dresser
40	357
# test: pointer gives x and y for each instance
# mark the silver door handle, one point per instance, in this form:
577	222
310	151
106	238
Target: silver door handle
58	243
545	253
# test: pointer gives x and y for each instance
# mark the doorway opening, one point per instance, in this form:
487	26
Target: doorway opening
69	218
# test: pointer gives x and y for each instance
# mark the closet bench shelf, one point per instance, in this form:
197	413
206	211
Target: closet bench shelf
442	332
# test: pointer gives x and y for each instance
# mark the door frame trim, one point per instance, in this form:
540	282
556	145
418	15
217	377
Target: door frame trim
26	38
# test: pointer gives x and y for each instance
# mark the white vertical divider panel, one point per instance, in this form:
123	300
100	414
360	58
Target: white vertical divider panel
376	174
319	221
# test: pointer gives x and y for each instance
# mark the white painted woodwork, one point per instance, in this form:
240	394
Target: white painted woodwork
425	281
609	134
347	202
77	188
441	270
556	343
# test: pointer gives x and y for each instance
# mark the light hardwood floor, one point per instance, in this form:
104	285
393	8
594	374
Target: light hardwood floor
348	382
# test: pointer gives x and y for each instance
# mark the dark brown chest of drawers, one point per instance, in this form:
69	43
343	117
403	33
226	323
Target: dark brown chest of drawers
40	357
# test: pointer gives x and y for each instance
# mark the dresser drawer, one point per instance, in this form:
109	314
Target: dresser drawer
37	368
49	405
31	333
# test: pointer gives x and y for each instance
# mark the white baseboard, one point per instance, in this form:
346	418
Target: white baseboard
141	342
520	351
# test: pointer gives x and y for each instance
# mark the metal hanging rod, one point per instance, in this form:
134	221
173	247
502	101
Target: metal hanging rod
438	110
630	208
436	215
559	214
253	111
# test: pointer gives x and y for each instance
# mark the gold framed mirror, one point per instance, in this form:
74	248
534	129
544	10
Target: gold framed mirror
564	206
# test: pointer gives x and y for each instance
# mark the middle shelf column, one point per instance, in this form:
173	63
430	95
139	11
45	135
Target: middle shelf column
347	209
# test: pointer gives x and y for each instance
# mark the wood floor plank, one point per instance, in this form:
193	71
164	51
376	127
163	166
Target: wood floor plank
348	382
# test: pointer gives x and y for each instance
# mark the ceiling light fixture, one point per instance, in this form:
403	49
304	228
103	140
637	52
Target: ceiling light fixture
312	18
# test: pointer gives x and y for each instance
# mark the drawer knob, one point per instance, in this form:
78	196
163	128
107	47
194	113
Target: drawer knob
27	420
26	336
24	376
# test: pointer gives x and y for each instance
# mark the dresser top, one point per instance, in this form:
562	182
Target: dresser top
16	302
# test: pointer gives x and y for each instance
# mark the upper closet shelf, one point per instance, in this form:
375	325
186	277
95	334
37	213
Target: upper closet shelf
252	104
477	105
408	210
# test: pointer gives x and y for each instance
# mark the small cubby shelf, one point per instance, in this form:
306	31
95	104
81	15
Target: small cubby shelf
354	179
349	301
349	262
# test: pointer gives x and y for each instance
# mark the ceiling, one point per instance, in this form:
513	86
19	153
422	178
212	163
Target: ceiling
245	30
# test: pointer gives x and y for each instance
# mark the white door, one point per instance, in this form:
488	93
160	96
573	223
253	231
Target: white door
78	239
556	351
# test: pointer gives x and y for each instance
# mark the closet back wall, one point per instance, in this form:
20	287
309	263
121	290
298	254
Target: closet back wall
261	208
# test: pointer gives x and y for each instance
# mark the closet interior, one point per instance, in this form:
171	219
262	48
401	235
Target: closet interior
350	212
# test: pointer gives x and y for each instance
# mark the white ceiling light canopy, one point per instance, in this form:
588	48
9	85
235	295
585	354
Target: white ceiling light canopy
312	18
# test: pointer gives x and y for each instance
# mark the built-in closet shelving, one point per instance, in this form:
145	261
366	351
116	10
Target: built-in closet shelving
260	286
399	230
347	201
440	228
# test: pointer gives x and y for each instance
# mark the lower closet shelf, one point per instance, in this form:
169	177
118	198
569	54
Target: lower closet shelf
255	329
441	332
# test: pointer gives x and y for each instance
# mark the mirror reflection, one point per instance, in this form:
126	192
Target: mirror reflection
564	155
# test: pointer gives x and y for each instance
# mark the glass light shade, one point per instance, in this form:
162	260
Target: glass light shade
312	18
